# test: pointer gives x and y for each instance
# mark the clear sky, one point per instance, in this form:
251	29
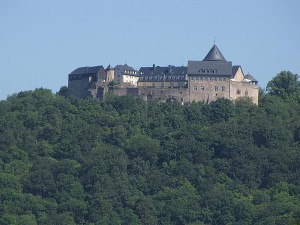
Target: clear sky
42	41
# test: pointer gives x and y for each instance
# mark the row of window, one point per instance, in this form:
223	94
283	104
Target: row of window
208	71
209	78
178	77
130	77
161	85
130	72
202	88
78	76
238	92
165	72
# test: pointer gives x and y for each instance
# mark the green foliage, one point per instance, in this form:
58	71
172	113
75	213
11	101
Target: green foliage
285	85
63	91
124	161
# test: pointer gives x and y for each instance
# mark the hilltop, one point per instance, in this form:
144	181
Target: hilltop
65	160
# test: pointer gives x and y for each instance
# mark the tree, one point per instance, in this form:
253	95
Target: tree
63	91
285	85
220	110
144	147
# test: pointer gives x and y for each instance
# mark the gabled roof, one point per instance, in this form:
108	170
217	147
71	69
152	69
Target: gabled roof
87	70
214	55
223	68
235	69
250	77
158	70
124	67
165	73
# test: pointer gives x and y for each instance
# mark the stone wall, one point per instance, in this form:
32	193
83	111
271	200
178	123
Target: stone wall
79	88
125	91
164	94
198	90
208	90
244	89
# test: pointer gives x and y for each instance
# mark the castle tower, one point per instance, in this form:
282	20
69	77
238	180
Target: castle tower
209	79
110	73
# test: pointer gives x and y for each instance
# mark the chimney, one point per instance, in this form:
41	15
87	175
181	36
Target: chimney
153	66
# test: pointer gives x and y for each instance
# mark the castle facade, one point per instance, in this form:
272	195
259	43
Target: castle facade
205	80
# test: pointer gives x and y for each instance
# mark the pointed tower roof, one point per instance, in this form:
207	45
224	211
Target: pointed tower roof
109	68
214	55
250	77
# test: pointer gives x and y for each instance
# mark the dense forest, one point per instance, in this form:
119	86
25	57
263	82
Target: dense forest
68	161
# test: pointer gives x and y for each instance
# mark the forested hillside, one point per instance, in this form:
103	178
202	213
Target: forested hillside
68	161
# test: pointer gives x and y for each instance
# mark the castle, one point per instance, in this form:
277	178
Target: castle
205	80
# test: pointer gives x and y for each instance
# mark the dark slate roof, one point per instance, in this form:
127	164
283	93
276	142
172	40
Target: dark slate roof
214	55
210	68
109	67
235	69
86	70
158	70
250	77
124	67
166	73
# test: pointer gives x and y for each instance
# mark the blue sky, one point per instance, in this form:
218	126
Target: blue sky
41	42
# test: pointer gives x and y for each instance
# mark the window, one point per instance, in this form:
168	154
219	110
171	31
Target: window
238	91
195	88
202	88
216	88
201	78
224	78
223	88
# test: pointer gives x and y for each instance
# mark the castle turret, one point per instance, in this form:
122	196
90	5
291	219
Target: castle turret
110	73
214	55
